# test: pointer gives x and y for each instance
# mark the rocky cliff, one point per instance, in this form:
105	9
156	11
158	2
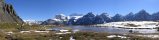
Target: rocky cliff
8	14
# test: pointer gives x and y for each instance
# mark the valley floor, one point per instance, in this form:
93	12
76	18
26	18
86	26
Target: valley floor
65	33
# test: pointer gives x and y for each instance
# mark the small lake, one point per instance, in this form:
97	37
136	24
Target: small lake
111	29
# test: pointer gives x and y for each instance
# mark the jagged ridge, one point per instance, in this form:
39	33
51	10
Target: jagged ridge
8	14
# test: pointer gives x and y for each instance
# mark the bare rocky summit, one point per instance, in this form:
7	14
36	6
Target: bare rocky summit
8	14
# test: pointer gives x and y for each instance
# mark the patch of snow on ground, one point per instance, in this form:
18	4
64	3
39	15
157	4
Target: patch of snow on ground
150	36
112	36
143	24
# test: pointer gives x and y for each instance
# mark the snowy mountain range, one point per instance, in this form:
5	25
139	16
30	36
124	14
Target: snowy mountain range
90	18
32	22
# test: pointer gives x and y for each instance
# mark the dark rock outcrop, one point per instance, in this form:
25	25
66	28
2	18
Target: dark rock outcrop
8	14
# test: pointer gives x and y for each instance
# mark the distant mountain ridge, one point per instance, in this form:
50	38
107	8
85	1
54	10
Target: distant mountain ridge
91	19
8	14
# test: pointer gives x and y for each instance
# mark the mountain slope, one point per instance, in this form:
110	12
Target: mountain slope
8	14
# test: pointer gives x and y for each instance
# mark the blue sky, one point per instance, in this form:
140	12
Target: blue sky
45	9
